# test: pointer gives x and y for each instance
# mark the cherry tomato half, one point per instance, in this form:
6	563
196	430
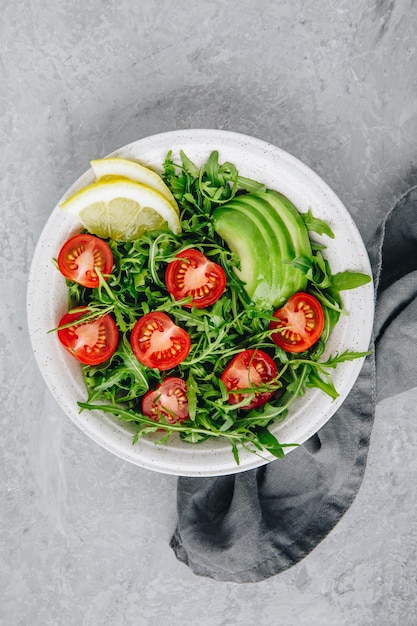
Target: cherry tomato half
80	255
193	274
168	399
249	368
92	342
157	342
299	324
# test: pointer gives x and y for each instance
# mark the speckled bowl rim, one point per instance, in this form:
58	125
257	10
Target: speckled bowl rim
47	300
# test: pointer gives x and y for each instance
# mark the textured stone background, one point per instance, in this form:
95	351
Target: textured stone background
84	537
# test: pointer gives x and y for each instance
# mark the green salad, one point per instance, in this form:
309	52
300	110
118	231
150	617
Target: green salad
212	331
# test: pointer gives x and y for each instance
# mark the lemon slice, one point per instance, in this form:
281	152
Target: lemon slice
121	209
116	166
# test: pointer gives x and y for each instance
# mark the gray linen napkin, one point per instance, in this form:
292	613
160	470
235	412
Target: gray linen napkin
253	525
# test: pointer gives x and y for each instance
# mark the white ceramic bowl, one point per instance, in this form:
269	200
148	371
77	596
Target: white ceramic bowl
47	301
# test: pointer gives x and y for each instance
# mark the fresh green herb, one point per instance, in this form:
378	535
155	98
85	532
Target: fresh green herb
316	225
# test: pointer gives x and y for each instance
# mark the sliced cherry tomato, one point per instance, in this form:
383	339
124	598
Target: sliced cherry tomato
92	342
193	274
80	255
249	368
169	399
157	342
299	324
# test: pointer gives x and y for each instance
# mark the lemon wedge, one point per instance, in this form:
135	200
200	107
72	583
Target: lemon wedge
121	209
128	168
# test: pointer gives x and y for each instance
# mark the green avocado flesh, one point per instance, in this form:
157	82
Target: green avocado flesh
266	231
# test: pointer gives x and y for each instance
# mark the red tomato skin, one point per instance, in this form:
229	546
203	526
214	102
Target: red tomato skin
80	254
174	342
242	370
103	328
170	399
208	277
304	317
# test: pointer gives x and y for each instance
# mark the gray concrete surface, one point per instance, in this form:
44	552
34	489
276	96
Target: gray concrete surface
83	536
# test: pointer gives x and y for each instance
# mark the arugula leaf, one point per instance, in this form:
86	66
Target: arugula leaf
250	185
347	355
325	383
269	442
316	268
192	392
349	280
189	166
316	225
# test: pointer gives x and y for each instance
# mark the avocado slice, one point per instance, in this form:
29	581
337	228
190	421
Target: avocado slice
266	232
257	275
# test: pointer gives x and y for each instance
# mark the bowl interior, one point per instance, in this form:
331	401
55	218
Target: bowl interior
47	301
